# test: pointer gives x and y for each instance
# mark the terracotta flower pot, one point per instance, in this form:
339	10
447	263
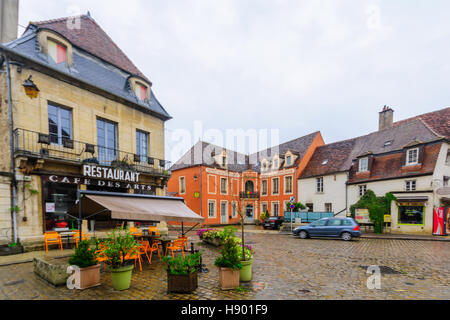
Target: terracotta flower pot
228	278
89	277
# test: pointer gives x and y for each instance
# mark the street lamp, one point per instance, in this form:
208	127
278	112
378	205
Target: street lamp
31	89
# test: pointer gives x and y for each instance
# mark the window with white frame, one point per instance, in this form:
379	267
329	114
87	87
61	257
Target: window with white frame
276	186
363	164
288	184
412	156
264	188
182	186
288	160
264	207
362	190
211	208
275	164
319	185
234	209
275	209
410	185
223	185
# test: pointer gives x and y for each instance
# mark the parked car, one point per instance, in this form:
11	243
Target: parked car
345	228
273	223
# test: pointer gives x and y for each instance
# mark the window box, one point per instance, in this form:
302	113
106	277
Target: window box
90	148
137	158
44	138
67	143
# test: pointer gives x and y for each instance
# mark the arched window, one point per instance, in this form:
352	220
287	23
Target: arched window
249	187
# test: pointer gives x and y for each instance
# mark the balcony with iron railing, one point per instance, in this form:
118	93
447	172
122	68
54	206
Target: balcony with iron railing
45	146
249	195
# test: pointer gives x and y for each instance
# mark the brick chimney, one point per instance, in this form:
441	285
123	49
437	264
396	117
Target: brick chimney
386	118
9	20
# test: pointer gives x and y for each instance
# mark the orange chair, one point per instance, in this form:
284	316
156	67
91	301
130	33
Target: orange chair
136	256
52	238
154	248
154	230
136	232
144	249
185	239
176	245
76	236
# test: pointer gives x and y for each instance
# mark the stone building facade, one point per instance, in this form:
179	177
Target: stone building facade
93	111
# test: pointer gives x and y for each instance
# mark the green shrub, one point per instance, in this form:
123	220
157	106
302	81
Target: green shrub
183	266
84	256
230	256
119	244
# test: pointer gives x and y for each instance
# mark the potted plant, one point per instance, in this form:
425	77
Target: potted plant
85	259
229	264
200	232
245	274
119	244
182	273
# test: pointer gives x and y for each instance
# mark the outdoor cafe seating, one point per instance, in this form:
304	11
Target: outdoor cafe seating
52	238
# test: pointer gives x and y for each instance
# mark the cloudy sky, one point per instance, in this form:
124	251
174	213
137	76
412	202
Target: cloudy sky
297	66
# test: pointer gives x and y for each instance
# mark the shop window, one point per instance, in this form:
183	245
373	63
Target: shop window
57	52
59	124
411	215
142	146
59	199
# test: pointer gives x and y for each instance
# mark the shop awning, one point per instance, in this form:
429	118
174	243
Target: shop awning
412	199
135	208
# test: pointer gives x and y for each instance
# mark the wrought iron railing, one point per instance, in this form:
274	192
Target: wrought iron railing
249	195
41	145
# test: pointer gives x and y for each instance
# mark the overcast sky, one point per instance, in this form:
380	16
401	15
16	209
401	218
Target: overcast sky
297	66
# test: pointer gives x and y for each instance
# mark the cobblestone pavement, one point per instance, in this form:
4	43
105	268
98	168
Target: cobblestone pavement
284	268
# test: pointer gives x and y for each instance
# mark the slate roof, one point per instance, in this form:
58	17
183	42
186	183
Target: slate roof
104	66
201	154
340	155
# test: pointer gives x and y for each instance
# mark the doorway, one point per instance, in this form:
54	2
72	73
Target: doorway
249	213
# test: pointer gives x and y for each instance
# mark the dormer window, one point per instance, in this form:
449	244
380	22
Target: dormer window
288	160
275	164
363	164
224	161
56	51
141	91
412	156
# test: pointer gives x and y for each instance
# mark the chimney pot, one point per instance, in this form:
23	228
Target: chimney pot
386	119
9	20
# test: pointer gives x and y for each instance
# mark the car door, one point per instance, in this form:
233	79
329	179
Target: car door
317	228
333	228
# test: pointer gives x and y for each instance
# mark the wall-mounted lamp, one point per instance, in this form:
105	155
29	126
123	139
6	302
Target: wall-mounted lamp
31	89
195	177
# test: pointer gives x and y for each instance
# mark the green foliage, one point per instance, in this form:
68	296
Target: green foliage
264	215
377	206
12	245
228	231
31	189
230	255
14	209
183	266
84	256
298	206
119	243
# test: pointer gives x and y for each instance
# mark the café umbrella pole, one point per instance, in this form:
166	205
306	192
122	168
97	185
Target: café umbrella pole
79	211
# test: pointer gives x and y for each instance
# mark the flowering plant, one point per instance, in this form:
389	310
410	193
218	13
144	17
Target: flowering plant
249	251
200	232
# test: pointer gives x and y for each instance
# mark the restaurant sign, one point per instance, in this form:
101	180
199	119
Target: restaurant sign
362	216
94	171
96	182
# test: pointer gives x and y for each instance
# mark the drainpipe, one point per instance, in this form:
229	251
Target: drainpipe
346	193
11	146
200	189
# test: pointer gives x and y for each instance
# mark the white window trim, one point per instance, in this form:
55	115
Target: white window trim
235	203
278	193
179	185
267	205
292	184
267	188
226	186
226	210
360	162
215	209
272	206
410	185
317	189
215	183
407	157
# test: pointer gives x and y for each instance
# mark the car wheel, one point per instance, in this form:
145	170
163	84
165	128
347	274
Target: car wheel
346	236
303	234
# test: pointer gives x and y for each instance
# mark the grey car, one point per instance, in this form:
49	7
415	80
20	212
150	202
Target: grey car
344	228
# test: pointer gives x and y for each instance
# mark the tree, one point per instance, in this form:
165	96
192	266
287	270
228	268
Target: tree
377	206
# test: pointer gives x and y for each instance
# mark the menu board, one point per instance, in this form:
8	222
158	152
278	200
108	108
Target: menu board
362	215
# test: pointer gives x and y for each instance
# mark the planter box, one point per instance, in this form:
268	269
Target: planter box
53	271
214	242
182	283
89	277
8	251
228	278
